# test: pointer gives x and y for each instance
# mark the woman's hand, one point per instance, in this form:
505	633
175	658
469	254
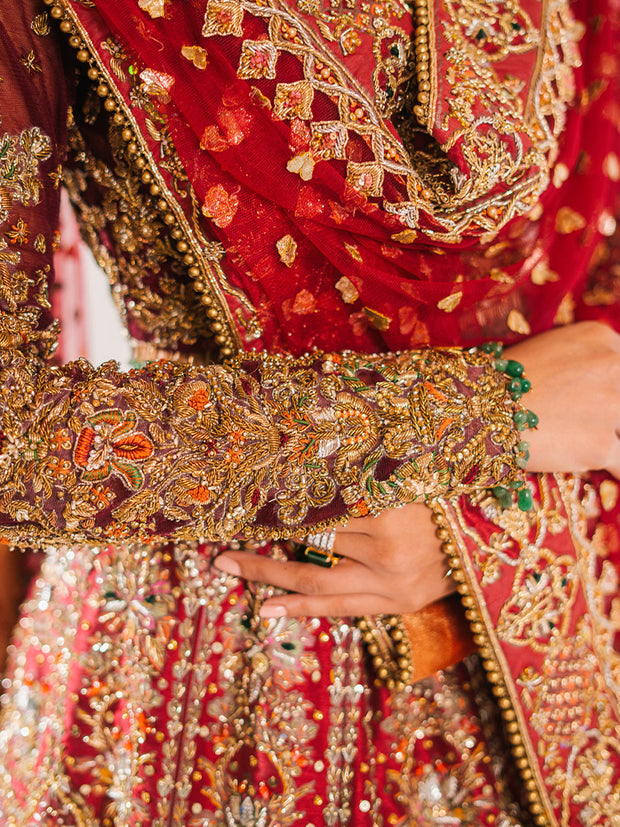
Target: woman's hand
392	564
575	376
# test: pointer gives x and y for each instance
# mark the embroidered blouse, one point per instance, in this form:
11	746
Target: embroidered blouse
262	445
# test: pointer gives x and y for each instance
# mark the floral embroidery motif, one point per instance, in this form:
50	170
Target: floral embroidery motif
107	442
554	611
506	164
293	100
258	59
366	178
223	17
255	447
329	139
20	178
220	205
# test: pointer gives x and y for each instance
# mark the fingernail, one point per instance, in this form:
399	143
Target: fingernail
227	564
272	610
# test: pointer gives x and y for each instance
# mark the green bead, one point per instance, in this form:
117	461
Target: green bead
520	419
503	496
532	419
515	386
516	395
526	385
514	368
492	347
525	501
516	485
523	450
501	364
522	462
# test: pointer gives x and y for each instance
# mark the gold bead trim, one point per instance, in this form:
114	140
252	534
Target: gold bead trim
491	666
424	70
203	259
387	644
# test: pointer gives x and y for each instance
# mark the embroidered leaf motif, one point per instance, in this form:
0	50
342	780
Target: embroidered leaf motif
131	473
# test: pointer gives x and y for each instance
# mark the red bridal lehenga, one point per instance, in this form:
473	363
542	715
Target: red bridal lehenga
339	200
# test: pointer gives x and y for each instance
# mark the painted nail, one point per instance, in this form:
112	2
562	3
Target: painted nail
272	610
227	564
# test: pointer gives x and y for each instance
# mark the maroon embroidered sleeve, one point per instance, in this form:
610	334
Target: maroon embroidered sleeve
266	445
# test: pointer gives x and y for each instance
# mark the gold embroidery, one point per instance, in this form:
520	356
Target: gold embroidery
165	194
223	17
521	148
169	679
296	434
20	179
258	59
555	610
293	100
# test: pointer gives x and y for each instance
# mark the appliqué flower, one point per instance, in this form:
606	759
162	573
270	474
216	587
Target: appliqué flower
197	55
303	165
287	249
220	206
157	84
156	8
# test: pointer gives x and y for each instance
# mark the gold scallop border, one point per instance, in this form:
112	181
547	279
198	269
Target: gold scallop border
204	271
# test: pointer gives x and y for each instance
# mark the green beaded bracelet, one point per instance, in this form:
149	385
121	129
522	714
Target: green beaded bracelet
518	386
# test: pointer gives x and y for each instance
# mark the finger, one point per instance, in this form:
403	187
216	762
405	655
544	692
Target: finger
304	578
333	605
359	547
355	546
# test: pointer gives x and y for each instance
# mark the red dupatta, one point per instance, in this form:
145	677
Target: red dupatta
334	235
